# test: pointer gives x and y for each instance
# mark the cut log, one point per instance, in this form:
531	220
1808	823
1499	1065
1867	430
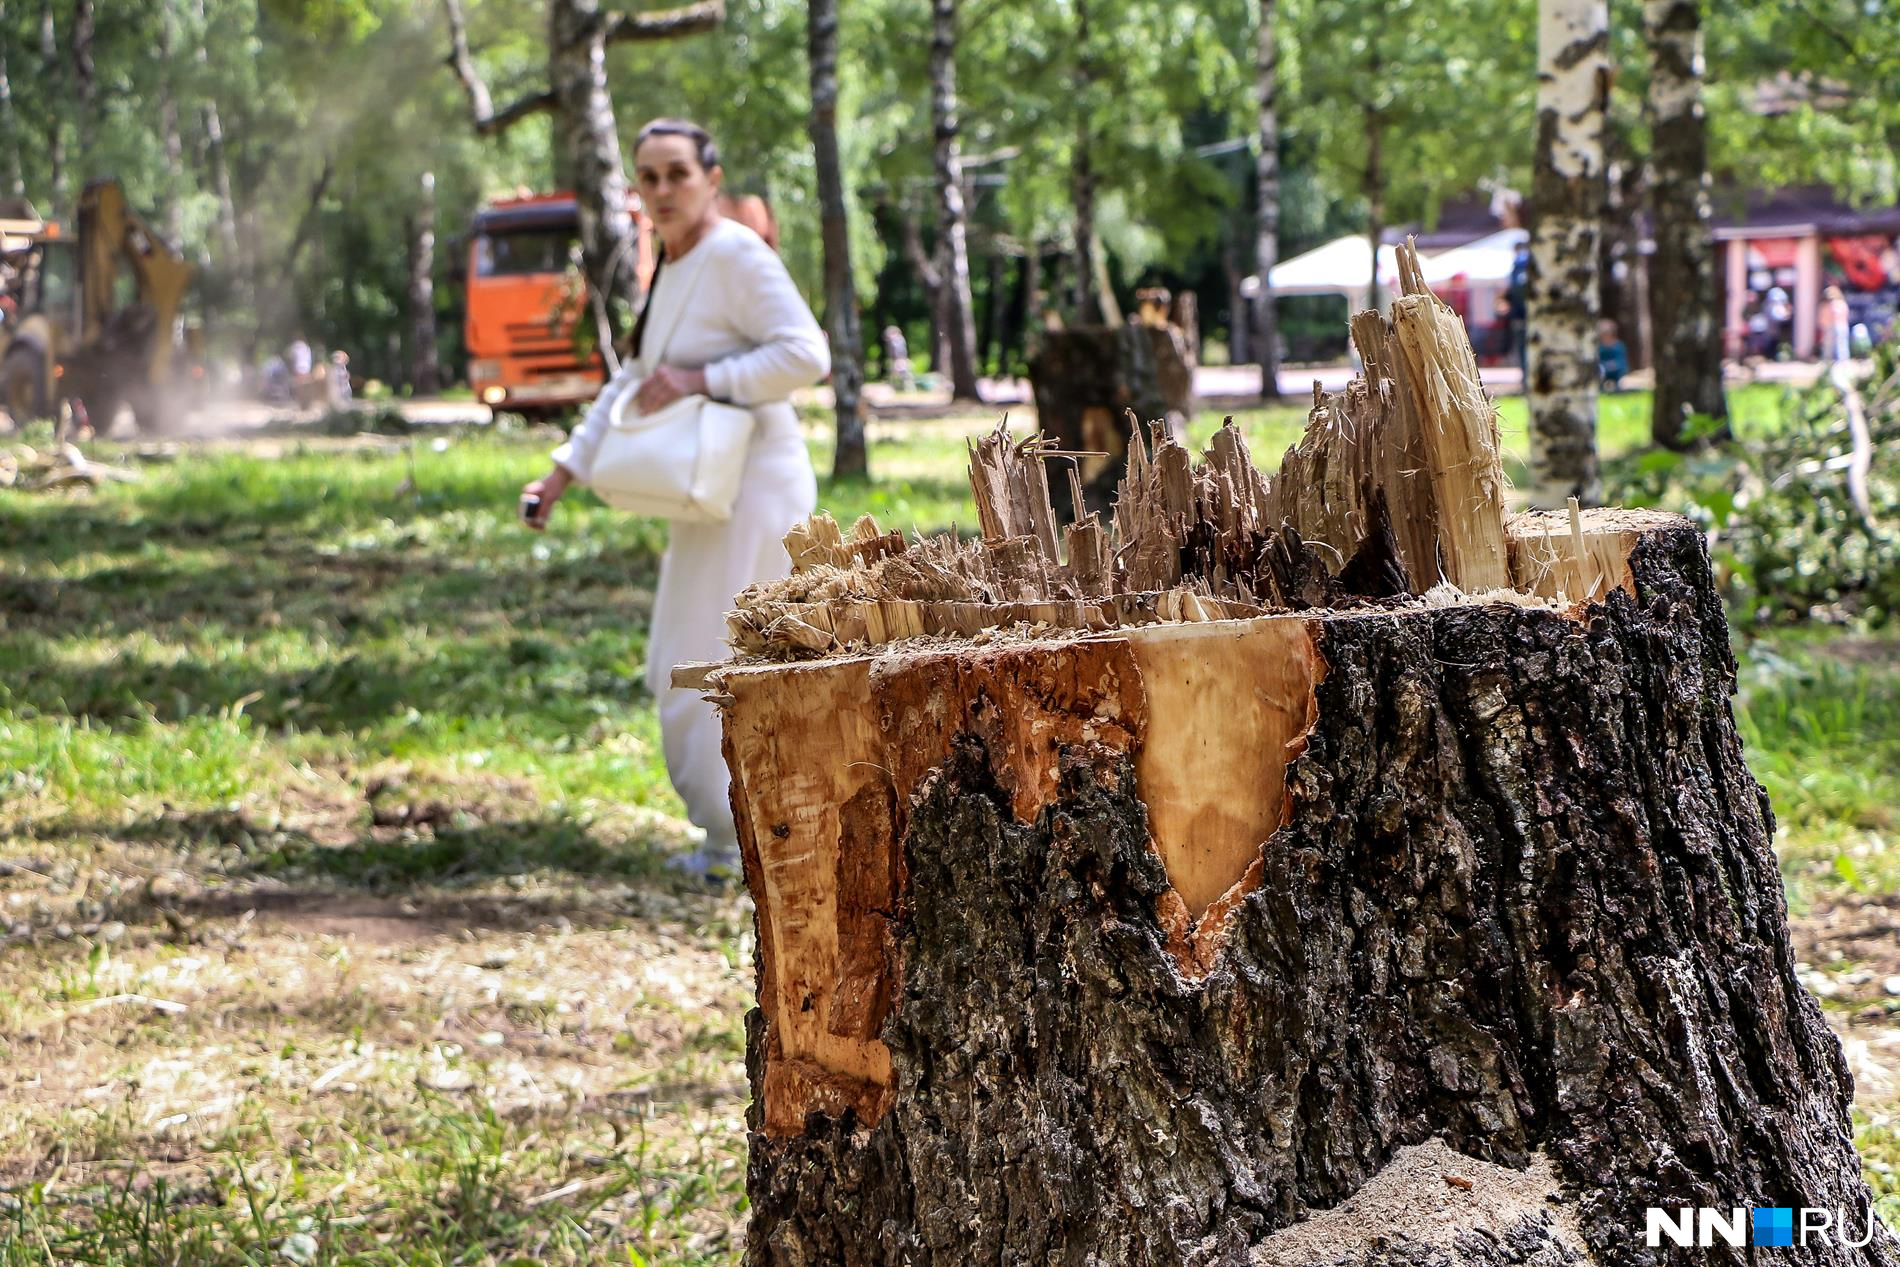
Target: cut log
1184	901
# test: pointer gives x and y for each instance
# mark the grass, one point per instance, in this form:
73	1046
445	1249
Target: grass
332	838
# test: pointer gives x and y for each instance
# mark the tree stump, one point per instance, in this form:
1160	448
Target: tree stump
1090	381
1191	895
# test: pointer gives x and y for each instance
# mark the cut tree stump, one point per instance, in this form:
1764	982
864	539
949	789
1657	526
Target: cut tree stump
1090	381
1323	868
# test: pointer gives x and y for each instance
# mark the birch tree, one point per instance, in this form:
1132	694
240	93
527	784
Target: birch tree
1267	200
586	136
1682	293
1567	196
956	311
841	297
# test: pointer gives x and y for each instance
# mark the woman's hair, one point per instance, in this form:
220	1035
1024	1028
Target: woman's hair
703	146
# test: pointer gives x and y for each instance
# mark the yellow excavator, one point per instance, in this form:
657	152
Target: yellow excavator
90	320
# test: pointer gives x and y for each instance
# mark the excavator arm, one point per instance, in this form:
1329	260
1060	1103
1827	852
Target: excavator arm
112	236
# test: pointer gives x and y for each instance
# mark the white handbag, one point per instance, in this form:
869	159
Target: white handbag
683	461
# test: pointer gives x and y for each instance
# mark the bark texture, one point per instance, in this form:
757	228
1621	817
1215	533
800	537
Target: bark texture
1522	900
841	298
1567	197
1683	300
1266	251
958	313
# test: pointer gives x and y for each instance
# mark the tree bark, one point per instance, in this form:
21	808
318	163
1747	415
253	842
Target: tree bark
424	371
1567	195
952	227
1526	905
841	298
10	170
1266	251
1683	300
587	139
85	84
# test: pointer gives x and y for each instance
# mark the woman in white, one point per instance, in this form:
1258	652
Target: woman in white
742	335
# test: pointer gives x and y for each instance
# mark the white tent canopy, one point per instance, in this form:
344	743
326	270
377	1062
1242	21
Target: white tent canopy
1487	260
1341	267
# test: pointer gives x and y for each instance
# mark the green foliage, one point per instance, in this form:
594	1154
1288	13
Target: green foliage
1788	543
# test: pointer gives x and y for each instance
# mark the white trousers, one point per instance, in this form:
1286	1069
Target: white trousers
704	567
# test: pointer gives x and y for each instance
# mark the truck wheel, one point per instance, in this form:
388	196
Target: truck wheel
23	384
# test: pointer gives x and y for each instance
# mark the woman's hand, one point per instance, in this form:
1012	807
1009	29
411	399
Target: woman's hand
667	384
538	497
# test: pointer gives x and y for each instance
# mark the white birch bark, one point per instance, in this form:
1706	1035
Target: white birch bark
1567	196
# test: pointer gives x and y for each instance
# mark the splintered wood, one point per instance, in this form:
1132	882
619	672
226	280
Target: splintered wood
1395	490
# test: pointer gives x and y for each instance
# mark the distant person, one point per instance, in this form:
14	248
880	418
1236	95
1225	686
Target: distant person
301	363
724	314
897	368
1518	296
1779	310
337	379
274	380
1836	326
1613	359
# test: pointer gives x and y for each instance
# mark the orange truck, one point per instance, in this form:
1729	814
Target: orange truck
525	297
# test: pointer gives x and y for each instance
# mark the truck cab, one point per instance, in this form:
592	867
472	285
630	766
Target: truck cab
527	299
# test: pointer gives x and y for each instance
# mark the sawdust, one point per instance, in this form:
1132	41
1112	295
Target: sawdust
1429	1197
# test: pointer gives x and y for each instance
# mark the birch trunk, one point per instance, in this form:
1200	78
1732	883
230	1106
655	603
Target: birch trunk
1567	195
587	141
841	299
1266	252
952	222
424	372
9	129
1082	179
1688	335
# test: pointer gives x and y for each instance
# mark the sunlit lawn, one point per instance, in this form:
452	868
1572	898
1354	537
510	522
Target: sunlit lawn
321	749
